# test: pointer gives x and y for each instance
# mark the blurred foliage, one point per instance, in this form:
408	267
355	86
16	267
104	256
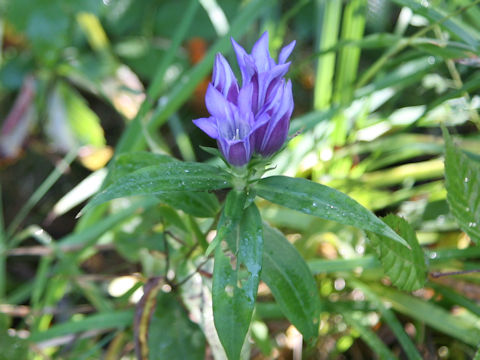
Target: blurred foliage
374	82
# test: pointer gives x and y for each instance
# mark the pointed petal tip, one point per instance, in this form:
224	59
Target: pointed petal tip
208	126
286	51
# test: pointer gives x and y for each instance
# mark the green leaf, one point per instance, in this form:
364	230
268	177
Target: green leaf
172	335
130	162
322	201
100	321
406	268
84	123
288	277
370	338
463	188
200	204
12	347
477	354
163	178
390	318
455	26
462	328
236	276
323	266
231	215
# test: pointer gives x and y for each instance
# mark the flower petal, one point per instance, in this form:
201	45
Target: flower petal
245	98
216	104
242	58
285	52
260	53
271	139
238	152
223	78
208	126
266	81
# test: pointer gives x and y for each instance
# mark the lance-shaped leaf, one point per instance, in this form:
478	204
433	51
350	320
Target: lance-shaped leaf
130	162
200	204
288	277
462	176
231	215
235	281
164	178
406	268
322	201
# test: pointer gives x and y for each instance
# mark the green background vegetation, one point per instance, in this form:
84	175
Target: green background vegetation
374	81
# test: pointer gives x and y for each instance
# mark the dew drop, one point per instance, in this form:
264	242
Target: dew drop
466	180
187	171
467	209
314	204
472	224
229	290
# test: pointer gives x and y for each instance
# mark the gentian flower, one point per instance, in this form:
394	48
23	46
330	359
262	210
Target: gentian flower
254	118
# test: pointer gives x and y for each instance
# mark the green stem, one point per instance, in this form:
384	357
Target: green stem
240	178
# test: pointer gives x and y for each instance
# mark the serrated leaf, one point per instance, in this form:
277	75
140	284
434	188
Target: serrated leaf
235	281
462	181
291	282
164	178
322	201
406	268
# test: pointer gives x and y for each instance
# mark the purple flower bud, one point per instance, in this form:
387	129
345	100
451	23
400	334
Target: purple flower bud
256	117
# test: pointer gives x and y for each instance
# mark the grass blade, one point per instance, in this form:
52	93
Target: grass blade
329	12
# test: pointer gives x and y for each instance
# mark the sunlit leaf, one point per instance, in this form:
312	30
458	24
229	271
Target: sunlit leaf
201	204
406	268
235	281
463	188
231	215
322	201
163	178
